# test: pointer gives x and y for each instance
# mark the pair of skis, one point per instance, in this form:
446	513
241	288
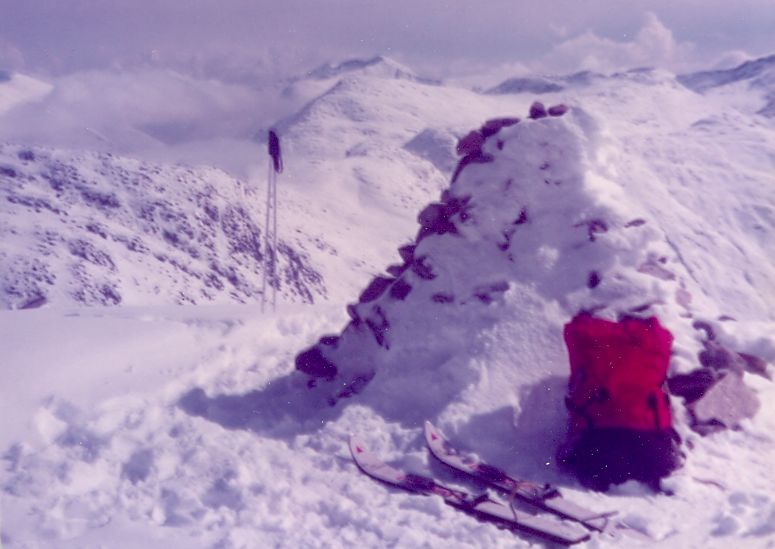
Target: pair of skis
574	529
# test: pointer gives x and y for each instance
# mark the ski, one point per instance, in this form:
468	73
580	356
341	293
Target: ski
481	507
543	496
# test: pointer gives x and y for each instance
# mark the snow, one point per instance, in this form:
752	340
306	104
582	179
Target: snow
157	422
102	225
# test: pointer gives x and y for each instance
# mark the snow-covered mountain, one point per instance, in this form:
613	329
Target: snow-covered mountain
758	72
366	154
152	426
342	149
757	75
542	84
96	229
378	66
321	79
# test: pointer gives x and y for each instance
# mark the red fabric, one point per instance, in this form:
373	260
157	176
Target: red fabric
618	370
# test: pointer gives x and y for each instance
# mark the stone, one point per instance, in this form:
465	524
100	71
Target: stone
557	110
313	363
537	110
375	289
471	142
724	405
494	125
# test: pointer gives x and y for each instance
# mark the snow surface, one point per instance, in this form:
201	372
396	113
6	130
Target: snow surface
153	424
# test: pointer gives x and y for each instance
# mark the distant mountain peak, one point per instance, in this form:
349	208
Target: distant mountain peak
539	84
379	66
329	70
750	70
758	73
526	84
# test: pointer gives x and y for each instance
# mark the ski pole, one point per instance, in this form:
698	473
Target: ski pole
270	264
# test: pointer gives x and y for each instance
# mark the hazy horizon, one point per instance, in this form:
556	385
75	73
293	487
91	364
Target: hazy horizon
236	41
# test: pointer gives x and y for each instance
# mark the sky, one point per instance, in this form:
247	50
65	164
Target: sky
186	78
242	40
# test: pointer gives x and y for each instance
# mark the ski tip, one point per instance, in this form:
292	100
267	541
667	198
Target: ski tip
357	447
432	434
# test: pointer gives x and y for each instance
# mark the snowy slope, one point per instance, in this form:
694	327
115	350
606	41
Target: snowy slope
365	155
704	170
757	76
187	426
365	152
96	229
187	265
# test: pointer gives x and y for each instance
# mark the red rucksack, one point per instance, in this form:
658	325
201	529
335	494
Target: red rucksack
619	413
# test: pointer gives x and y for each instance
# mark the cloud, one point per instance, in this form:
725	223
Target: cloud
131	110
237	41
731	59
653	46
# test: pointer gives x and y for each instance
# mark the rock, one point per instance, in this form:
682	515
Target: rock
755	365
396	270
329	340
423	269
442	298
487	293
434	219
537	110
379	325
718	357
493	126
476	157
375	289
352	312
635	223
724	405
557	110
432	214
594	227
710	333
26	155
400	289
692	386
8	171
470	143
407	253
313	363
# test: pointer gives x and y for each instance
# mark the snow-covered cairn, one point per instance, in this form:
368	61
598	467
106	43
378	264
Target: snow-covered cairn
528	210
